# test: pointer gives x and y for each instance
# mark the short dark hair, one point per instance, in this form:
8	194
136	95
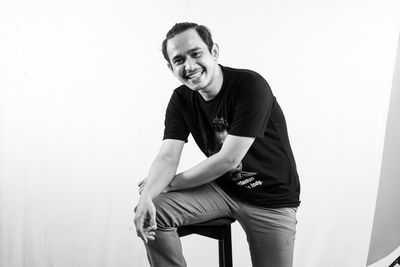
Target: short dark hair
202	31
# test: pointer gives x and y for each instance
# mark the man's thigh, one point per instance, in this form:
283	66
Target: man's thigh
194	205
270	234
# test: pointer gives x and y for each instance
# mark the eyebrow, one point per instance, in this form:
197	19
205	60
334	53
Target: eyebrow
188	52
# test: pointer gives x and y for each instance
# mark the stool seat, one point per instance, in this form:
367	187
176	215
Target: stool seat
208	228
219	229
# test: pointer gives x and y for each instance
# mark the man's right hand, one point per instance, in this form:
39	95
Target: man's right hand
145	211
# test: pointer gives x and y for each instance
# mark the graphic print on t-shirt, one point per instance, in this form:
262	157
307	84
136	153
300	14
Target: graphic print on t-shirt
214	140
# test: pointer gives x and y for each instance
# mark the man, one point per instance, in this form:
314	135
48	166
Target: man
250	172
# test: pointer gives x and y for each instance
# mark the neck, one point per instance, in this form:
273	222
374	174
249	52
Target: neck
213	89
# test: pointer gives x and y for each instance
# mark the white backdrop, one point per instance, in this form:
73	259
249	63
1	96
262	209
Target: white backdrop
83	91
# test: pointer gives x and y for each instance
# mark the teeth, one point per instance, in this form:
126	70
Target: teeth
195	75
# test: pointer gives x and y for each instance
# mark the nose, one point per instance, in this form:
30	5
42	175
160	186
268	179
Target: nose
190	64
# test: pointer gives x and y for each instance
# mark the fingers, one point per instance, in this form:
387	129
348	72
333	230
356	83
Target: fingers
141	188
145	234
150	235
153	224
145	215
141	184
148	231
141	181
139	220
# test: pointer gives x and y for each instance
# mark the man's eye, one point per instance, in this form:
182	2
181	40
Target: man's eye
178	61
196	54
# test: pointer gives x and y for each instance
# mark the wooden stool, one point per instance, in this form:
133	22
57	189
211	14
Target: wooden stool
219	229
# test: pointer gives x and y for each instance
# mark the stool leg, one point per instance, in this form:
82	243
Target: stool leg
221	253
397	261
225	248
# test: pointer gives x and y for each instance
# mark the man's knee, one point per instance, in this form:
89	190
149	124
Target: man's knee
165	211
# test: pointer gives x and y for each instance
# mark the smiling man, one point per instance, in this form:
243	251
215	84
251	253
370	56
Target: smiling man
250	172
194	63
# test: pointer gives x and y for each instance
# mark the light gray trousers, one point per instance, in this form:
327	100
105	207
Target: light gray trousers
270	232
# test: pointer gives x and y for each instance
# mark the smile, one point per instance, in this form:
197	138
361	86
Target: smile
194	75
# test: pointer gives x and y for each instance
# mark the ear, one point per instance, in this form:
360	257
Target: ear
215	51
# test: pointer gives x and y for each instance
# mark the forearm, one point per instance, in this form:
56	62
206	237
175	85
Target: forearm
160	175
202	173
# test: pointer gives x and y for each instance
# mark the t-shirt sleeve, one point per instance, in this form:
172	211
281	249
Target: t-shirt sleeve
175	126
253	103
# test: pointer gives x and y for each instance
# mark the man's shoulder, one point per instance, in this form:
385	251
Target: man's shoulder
244	81
182	96
182	91
239	73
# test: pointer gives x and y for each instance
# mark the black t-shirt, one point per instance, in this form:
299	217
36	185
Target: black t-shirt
245	106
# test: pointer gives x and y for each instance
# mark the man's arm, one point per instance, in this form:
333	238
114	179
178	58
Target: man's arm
163	167
232	152
160	175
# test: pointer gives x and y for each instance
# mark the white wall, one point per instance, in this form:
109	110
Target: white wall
83	90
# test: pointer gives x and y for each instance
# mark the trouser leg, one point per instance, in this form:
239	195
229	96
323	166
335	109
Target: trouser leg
270	234
166	250
179	208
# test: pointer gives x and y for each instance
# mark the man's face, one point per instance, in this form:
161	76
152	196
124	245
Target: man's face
191	61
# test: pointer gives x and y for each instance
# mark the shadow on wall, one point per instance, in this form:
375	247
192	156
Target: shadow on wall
385	236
